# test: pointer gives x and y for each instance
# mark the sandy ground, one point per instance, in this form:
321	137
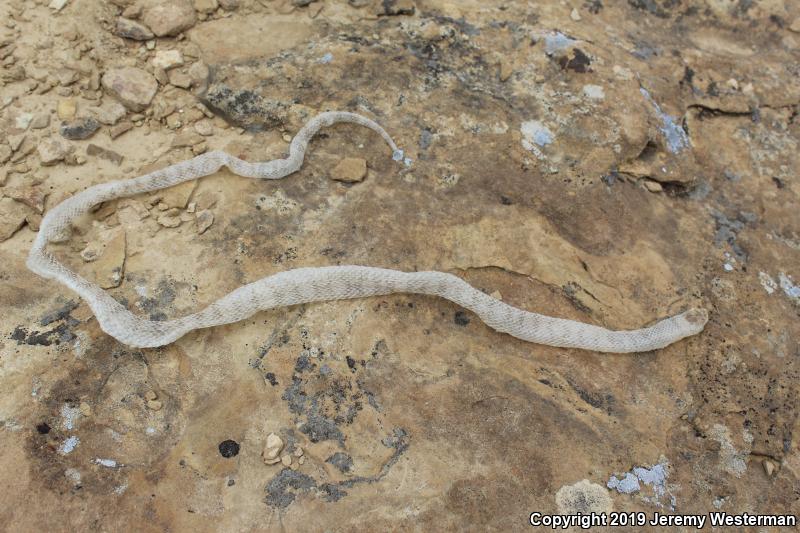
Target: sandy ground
607	161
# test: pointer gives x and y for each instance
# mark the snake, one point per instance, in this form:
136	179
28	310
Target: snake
316	284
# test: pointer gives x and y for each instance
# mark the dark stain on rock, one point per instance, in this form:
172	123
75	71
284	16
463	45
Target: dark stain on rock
162	300
89	378
281	489
288	484
58	314
397	440
576	60
245	108
728	228
270	377
342	461
57	335
461	318
324	398
392	9
659	8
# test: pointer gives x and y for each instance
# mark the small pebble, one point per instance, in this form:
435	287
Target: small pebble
154	405
66	109
78	129
286	460
272	450
350	170
653	186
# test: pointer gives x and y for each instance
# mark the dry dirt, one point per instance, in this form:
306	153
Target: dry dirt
613	162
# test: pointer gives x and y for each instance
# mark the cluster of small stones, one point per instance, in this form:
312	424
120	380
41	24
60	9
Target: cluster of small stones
92	103
272	453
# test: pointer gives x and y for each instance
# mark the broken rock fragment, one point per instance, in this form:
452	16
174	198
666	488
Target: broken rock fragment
104	153
167	59
169	17
12	217
78	129
52	150
109	113
107	254
272	450
66	109
350	170
31	196
130	29
133	87
393	8
5	153
204	220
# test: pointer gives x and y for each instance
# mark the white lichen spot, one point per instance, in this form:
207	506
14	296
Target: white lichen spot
69	417
583	497
68	445
627	485
788	286
535	135
767	282
674	133
120	489
327	58
594	92
654	477
731	460
80	344
557	42
150	431
278	202
108	463
728	267
73	475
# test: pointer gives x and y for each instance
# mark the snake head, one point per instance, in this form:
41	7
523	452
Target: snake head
697	317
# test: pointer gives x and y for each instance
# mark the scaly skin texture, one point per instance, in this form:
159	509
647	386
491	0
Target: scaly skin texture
305	285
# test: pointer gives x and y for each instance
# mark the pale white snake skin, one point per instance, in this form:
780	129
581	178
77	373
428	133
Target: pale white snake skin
303	285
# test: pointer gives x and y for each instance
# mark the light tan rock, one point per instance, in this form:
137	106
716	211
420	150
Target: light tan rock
350	170
178	195
66	109
108	266
12	217
204	220
168	18
653	186
30	195
52	150
133	87
206	6
109	113
130	29
272	449
167	59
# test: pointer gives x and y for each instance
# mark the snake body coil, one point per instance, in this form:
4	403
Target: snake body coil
303	285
